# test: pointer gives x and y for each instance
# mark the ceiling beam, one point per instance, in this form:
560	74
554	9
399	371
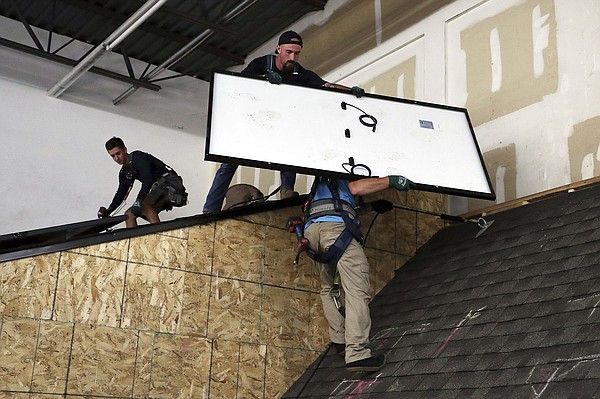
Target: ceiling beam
112	41
67	61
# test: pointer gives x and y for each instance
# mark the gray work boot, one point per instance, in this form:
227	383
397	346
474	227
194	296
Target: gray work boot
286	193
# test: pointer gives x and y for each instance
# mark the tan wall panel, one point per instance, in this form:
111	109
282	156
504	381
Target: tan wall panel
196	296
18	339
200	247
285	365
163	342
239	250
102	361
234	310
386	83
159	250
52	357
28	286
285	317
224	369
180	367
519	86
251	381
584	144
153	298
279	258
90	290
143	364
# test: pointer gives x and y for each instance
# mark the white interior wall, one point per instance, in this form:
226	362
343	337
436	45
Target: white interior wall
55	169
540	132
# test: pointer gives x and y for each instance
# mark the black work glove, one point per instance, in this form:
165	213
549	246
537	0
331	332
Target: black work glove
136	208
102	212
400	183
357	91
382	206
274	78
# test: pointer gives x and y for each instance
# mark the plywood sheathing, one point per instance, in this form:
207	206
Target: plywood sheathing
207	311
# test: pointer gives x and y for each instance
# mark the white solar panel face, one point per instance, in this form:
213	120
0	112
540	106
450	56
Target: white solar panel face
323	131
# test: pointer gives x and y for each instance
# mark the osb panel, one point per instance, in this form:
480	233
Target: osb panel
90	290
319	327
143	365
18	340
200	248
427	226
159	250
279	257
431	202
113	250
153	298
406	230
284	366
234	312
382	234
52	357
180	367
275	218
239	250
194	313
28	285
401	260
285	317
224	369
251	380
178	233
381	268
102	361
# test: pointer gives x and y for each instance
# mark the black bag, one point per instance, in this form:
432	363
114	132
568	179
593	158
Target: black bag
176	190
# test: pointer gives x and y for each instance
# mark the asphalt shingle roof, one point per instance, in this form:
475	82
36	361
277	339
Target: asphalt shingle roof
512	313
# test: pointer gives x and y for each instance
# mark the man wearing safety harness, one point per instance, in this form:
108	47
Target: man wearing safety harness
162	188
335	244
281	67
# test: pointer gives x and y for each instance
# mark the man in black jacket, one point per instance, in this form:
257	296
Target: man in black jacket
162	188
281	67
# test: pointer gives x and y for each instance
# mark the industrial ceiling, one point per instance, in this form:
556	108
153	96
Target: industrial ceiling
185	37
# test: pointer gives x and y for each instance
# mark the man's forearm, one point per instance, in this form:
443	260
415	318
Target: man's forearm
368	185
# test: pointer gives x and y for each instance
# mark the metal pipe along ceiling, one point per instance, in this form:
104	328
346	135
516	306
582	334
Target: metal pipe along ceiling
143	13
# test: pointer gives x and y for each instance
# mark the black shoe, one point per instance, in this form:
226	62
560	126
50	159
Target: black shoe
369	364
339	348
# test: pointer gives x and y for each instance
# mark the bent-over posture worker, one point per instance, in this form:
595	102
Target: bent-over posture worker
281	67
335	244
162	188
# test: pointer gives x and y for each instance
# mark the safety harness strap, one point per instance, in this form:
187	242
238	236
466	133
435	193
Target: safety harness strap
351	230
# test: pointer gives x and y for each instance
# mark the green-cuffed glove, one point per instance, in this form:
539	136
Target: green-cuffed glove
400	183
136	208
357	91
274	78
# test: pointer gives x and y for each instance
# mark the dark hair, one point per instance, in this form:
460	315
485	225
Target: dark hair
114	142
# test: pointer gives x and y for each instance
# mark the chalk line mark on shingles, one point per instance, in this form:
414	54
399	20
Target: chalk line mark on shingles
587	298
354	386
578	361
471	315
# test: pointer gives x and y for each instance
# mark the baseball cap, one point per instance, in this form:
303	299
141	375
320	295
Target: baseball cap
289	37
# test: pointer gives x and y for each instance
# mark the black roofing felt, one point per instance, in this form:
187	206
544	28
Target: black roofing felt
513	313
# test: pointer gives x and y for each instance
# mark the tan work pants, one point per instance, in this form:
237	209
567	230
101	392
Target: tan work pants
354	329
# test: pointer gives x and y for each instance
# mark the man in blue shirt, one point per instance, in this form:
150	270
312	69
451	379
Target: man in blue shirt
335	243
